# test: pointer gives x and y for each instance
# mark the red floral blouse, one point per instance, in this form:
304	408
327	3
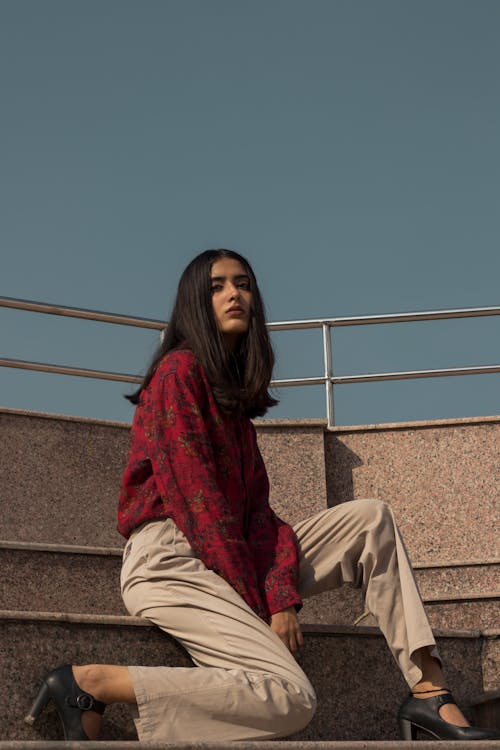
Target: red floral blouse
204	470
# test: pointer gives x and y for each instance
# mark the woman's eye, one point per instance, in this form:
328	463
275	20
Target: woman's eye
216	288
243	285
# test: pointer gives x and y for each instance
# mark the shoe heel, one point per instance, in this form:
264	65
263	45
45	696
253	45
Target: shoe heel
407	729
39	704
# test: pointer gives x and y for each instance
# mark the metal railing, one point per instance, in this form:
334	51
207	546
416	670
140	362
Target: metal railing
328	379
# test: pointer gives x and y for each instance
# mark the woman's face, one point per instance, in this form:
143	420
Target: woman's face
231	298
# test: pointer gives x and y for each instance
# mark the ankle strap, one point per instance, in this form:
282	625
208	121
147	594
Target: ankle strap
428	692
86	702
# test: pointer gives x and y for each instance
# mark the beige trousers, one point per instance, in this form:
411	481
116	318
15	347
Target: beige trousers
247	685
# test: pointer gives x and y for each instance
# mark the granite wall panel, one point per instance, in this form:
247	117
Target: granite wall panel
442	481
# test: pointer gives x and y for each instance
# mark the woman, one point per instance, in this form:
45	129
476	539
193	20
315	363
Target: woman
209	562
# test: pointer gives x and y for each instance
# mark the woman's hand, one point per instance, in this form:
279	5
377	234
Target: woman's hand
286	626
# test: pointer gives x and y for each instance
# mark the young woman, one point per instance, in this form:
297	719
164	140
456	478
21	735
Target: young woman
209	562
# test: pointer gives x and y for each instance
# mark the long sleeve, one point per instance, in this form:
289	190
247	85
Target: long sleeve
181	451
274	545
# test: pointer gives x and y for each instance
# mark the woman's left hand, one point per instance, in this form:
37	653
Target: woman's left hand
286	626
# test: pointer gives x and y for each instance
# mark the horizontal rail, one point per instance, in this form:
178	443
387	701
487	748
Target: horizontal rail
77	312
81	372
359	320
415	374
130	320
286	383
84	372
290	382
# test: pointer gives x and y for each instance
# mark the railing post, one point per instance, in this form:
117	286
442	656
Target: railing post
327	357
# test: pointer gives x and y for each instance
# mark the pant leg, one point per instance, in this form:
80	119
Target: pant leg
359	543
246	684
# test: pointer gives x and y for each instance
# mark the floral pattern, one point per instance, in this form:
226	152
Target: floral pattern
204	470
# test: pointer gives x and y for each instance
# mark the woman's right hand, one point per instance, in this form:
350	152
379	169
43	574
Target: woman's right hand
286	626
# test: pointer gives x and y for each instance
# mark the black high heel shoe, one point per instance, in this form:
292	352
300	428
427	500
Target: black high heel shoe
70	700
423	714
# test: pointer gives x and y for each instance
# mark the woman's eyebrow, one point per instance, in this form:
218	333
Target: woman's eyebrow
235	278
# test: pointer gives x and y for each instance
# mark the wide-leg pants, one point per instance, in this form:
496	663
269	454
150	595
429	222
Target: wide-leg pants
246	684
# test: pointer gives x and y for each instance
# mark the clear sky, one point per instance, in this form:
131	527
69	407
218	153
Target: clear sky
348	148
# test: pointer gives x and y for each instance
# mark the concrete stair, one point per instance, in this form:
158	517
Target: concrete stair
60	558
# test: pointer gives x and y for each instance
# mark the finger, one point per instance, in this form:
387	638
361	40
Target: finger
300	638
297	638
292	642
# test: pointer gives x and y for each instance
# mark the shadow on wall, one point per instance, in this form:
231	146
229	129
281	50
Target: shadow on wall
340	462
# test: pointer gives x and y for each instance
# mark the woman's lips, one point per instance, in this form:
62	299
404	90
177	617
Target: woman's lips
236	311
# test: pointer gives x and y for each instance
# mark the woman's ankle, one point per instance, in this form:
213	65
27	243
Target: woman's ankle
108	683
89	678
418	691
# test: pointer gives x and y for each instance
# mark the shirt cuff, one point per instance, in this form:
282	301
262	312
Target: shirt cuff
293	600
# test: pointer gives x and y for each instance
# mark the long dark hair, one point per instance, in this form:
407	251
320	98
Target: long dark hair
240	379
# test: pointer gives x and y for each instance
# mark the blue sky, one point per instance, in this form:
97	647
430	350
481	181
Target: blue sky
348	148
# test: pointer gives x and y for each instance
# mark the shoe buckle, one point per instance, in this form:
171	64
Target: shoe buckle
85	702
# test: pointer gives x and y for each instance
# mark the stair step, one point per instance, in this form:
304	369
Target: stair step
486	709
290	744
358	684
86	579
450	579
469	611
64	578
